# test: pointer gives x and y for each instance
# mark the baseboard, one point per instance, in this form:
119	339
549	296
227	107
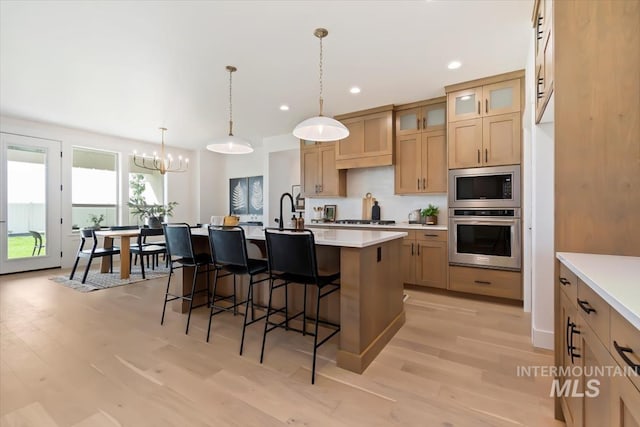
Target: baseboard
542	339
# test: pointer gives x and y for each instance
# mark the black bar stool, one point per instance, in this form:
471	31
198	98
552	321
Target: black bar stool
291	257
180	246
229	254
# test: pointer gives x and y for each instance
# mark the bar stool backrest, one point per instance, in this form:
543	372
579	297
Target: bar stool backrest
228	246
178	238
292	252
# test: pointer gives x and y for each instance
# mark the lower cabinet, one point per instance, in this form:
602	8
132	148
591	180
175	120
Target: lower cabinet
603	393
484	281
424	258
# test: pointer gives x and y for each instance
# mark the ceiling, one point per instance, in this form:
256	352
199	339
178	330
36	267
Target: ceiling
126	68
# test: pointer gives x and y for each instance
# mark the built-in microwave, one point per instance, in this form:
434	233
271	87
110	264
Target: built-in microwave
496	186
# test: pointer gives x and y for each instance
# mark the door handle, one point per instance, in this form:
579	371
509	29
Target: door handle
478	156
572	347
424	184
412	249
424	123
584	305
418	183
417	123
418	246
478	107
486	155
481	282
486	105
564	281
621	351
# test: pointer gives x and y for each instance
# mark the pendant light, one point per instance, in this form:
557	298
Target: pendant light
160	163
231	144
321	128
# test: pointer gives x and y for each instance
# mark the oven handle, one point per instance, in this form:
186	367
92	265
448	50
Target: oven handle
476	221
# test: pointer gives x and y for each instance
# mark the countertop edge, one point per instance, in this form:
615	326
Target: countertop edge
619	306
397	226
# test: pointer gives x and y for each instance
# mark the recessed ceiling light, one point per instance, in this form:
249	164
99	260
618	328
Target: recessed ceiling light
284	107
354	89
453	65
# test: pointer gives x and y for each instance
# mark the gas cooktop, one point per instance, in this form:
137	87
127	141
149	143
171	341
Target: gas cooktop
365	221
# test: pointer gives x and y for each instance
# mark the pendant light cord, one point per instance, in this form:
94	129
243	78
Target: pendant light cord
321	101
230	104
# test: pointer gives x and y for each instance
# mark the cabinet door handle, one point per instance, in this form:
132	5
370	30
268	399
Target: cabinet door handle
418	183
486	105
418	247
572	347
539	31
430	235
564	281
424	123
621	351
486	155
417	122
584	305
566	330
424	184
478	156
478	107
412	249
481	282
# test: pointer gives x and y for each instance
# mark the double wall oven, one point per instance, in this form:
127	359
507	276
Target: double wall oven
485	217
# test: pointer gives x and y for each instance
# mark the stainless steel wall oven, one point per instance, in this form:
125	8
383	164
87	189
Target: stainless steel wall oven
485	237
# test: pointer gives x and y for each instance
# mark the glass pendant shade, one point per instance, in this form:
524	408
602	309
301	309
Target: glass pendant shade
321	129
231	145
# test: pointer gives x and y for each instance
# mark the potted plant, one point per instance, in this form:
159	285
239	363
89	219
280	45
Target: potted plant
96	221
152	215
430	214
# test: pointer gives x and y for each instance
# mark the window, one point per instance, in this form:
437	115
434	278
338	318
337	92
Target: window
94	192
146	187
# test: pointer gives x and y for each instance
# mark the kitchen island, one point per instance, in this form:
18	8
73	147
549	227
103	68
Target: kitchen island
369	306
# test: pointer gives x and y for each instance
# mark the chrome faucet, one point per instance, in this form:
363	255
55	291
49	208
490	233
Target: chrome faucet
293	209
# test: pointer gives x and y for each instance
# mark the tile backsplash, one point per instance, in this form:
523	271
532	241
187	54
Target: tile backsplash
379	182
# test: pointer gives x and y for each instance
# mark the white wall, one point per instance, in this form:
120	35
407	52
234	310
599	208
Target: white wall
284	171
179	185
380	183
541	220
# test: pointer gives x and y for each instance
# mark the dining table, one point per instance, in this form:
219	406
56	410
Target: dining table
125	249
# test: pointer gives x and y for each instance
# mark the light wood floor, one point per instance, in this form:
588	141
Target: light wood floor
102	359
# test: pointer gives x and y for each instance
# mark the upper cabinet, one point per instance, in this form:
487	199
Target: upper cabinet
370	140
421	148
543	38
318	174
484	121
420	119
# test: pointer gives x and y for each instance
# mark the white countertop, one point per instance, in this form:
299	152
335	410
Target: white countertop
331	237
398	225
615	278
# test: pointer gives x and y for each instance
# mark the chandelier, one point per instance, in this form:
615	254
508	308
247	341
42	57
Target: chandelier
160	163
321	128
231	144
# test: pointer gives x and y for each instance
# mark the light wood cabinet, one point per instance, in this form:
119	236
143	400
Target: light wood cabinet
424	258
625	404
484	122
421	160
421	149
543	37
370	140
484	281
586	329
318	174
420	119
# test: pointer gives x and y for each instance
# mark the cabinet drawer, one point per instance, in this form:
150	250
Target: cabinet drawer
625	335
594	310
496	283
437	235
411	235
568	283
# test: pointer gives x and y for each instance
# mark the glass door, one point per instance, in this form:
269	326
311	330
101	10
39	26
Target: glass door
30	229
